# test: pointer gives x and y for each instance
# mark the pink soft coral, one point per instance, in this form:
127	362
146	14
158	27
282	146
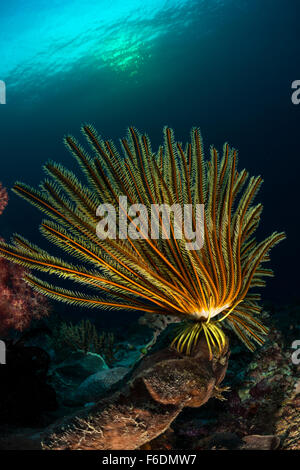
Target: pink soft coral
3	198
18	302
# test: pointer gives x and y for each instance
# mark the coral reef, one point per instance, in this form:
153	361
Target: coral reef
261	410
161	386
201	291
262	406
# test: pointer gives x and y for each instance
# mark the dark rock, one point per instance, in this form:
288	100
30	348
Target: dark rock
25	394
221	441
79	365
96	385
255	442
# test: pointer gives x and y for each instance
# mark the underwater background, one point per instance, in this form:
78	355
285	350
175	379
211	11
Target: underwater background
223	65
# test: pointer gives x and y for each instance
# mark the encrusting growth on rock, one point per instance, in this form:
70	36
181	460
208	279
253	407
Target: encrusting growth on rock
161	386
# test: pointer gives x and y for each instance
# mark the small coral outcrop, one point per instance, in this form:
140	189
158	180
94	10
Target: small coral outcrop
85	337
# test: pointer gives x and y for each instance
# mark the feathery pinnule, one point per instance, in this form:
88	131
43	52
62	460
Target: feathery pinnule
204	287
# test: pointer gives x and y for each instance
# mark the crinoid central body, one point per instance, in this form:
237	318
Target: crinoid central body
206	287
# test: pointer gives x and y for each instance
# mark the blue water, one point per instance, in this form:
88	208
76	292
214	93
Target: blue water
224	65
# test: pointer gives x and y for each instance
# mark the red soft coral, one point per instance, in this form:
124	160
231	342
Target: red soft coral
18	302
3	198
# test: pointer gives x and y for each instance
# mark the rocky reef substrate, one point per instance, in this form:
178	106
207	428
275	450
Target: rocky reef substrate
261	410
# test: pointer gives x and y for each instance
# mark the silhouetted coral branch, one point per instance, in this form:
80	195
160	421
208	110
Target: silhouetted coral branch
84	336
